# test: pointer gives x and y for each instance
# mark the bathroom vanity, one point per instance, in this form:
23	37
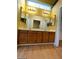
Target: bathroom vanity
36	31
35	36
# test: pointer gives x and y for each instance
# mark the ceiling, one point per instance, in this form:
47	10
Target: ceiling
51	2
48	2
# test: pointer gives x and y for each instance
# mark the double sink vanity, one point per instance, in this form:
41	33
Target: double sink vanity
36	32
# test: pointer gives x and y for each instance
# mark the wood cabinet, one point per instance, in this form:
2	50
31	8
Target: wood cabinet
29	37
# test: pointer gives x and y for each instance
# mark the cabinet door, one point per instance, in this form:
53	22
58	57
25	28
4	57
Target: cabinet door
17	36
25	37
51	36
38	37
31	37
22	37
45	37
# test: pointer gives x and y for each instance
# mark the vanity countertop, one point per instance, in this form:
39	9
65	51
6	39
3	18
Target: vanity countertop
36	29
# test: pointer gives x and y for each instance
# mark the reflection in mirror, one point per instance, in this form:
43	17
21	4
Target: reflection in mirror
36	24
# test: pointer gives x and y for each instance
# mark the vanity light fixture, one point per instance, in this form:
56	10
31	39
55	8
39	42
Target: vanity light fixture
31	10
46	13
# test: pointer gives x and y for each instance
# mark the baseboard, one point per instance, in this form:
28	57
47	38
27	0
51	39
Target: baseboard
60	43
35	44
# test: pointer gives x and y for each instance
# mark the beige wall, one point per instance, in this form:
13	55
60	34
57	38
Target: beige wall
21	3
55	11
